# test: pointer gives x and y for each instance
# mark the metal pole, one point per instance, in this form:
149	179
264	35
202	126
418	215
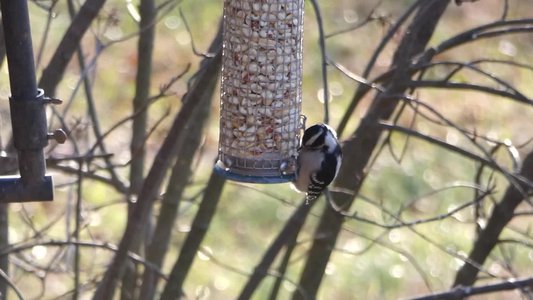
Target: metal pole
27	105
24	89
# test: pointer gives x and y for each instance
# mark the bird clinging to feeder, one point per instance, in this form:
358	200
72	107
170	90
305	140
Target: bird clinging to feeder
319	160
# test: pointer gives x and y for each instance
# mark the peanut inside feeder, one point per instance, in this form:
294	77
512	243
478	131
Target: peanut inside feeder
261	89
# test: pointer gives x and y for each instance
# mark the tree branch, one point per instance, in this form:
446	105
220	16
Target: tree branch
365	88
145	48
290	231
359	149
463	292
151	186
502	214
191	246
181	174
55	69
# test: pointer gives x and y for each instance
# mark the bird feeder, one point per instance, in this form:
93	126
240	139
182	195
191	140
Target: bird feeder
260	117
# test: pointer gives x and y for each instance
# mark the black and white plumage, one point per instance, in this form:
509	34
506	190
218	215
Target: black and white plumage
319	160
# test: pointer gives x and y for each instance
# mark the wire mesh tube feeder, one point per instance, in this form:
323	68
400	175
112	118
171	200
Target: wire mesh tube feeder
260	115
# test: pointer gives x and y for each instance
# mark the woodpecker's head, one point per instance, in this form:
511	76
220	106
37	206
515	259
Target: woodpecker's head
319	136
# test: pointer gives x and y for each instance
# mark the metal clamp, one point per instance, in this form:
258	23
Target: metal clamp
27	119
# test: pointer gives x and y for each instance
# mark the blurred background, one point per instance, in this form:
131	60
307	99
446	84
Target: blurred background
407	178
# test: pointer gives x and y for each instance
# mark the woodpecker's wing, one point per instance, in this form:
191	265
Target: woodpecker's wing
321	179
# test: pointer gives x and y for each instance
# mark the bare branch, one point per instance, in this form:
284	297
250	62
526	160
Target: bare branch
289	231
157	173
12	285
199	228
371	16
363	89
87	244
486	161
359	149
484	31
103	179
400	223
462	292
53	73
502	214
472	87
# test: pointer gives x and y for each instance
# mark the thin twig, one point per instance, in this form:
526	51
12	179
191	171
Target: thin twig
471	87
479	32
70	170
462	292
292	227
505	10
5	277
193	47
363	89
379	241
401	223
77	229
371	16
49	17
86	244
458	150
53	73
157	172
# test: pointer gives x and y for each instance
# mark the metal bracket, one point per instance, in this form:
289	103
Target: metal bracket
28	115
30	137
30	134
13	189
